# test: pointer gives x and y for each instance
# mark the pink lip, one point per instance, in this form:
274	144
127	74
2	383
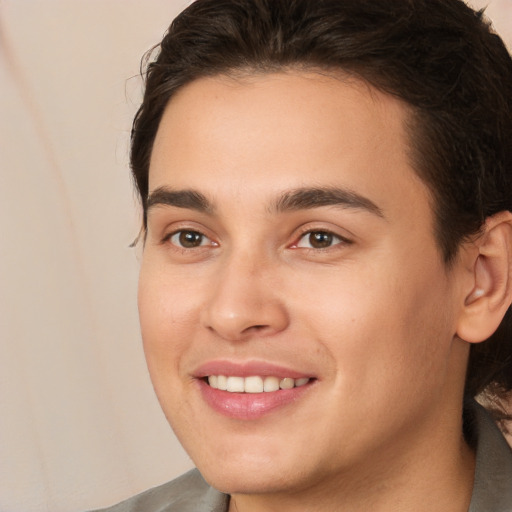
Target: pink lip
249	406
247	369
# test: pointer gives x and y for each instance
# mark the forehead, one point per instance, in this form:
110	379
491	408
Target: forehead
276	131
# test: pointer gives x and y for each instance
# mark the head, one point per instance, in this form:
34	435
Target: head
439	57
434	67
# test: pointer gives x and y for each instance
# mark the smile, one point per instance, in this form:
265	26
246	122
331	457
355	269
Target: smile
254	384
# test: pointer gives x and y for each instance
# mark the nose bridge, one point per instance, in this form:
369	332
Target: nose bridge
243	299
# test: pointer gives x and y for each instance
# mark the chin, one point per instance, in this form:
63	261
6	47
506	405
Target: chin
267	469
238	478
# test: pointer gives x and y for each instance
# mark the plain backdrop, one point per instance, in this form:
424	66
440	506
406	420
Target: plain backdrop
79	424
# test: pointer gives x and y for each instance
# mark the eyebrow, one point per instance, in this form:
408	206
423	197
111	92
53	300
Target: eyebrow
309	198
189	199
305	198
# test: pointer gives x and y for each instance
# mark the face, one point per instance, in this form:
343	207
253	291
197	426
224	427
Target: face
297	317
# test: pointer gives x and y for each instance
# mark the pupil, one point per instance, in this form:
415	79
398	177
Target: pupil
320	239
190	239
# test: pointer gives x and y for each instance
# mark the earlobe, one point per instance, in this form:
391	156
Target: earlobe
491	294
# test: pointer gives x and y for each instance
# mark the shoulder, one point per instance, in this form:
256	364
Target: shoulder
493	474
188	493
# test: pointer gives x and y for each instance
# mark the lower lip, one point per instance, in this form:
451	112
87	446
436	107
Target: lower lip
250	406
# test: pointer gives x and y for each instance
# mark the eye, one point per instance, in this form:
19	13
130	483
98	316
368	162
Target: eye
188	239
319	240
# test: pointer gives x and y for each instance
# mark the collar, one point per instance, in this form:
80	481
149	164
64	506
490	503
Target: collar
492	491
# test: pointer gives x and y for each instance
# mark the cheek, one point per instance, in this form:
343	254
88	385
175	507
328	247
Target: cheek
412	331
163	321
381	323
166	336
167	301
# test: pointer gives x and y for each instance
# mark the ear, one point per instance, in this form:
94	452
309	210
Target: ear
490	292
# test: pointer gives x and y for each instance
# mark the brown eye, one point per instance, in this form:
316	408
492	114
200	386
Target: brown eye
319	240
188	239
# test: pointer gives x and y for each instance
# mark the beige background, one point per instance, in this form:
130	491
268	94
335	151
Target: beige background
79	425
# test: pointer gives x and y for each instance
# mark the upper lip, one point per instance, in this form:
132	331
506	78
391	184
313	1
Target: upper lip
247	369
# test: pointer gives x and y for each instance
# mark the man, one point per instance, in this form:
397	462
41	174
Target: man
326	275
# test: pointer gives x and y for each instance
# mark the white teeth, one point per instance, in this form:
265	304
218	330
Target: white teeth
254	384
222	382
301	382
235	385
271	384
287	383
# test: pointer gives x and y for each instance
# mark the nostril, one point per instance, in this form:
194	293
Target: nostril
257	328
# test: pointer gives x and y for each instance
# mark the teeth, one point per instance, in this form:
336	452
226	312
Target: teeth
287	383
235	385
270	384
254	384
222	382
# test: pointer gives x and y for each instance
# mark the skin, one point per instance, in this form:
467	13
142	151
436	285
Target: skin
373	316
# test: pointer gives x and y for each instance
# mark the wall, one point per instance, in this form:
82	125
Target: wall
79	425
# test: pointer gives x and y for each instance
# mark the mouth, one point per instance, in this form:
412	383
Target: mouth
252	390
254	383
249	390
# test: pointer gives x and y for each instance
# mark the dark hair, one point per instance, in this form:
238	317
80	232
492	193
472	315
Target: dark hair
439	56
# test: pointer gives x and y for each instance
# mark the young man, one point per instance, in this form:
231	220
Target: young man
326	277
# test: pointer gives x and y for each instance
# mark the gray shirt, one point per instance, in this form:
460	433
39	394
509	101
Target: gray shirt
492	491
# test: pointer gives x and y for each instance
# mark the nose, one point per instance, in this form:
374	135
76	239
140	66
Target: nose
244	300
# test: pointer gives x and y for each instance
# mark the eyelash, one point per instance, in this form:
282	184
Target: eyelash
333	238
195	235
179	244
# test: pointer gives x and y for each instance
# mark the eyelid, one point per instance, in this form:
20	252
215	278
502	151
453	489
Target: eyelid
174	239
168	238
307	230
165	233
